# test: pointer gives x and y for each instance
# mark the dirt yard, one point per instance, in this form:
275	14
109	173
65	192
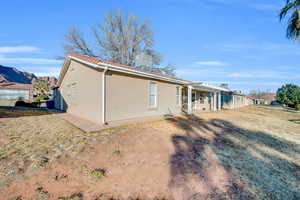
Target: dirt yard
251	153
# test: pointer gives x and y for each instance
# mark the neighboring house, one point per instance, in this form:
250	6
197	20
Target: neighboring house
10	93
234	99
265	98
103	92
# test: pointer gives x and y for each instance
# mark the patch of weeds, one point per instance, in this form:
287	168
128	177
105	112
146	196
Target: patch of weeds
16	198
117	153
98	173
143	198
5	152
42	194
76	196
44	160
59	177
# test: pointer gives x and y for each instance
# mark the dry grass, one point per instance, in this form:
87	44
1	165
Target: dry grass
31	139
250	153
14	113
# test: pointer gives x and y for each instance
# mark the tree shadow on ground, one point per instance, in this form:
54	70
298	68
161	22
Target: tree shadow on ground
290	111
12	112
297	121
215	159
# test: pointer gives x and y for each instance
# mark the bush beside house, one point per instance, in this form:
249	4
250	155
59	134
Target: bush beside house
298	107
289	94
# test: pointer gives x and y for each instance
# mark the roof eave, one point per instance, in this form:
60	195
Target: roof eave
111	67
139	73
208	87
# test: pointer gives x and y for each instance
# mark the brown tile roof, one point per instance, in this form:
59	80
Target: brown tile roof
17	86
266	96
98	60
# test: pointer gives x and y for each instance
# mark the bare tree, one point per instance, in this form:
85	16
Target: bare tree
121	39
259	94
75	42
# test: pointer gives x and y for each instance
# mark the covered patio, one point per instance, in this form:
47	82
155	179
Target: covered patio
202	97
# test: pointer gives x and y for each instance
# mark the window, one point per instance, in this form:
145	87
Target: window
209	97
152	95
193	96
202	97
177	95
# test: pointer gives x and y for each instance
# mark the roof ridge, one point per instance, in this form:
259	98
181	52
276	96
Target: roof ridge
95	60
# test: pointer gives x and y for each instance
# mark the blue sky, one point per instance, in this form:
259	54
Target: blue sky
218	41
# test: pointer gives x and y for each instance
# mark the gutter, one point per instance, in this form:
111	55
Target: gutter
104	96
209	87
139	73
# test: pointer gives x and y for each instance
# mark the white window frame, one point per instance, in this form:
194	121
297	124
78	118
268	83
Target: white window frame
178	96
202	98
150	95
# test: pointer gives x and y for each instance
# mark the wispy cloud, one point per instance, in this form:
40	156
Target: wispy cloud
259	48
42	70
255	4
256	83
254	46
18	49
211	63
263	74
42	61
200	73
229	74
265	7
50	72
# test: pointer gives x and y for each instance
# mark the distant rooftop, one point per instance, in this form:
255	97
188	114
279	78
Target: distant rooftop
16	86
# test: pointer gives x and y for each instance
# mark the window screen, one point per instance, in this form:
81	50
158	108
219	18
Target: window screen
202	97
152	95
177	95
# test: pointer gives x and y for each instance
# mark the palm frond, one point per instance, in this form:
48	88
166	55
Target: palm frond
284	11
293	29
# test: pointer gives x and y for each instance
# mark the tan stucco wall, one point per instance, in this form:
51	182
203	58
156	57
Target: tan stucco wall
128	97
81	90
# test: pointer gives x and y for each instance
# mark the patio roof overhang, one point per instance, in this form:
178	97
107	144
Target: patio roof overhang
207	87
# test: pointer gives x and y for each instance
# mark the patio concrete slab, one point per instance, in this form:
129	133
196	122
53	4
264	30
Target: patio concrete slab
83	124
88	126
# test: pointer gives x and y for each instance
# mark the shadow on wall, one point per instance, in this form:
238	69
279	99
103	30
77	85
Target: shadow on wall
59	101
217	160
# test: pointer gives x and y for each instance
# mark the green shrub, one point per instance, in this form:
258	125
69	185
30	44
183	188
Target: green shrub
288	94
118	152
98	173
297	107
41	98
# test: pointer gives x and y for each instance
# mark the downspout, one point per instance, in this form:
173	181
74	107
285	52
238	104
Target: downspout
104	96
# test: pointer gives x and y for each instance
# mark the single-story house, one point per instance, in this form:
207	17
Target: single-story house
102	91
235	99
11	92
265	98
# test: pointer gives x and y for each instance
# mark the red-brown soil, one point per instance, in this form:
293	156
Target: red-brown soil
243	154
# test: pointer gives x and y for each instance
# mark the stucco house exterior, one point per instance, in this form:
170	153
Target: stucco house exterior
104	92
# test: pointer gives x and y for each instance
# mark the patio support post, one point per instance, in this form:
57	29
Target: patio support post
215	101
233	101
189	99
219	101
